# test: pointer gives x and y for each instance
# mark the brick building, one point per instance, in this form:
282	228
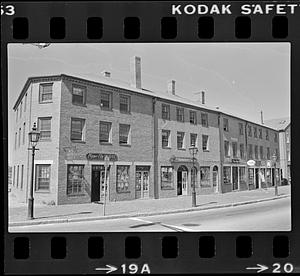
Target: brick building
146	135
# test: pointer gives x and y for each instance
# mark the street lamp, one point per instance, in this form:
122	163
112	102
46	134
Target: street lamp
193	151
34	137
274	159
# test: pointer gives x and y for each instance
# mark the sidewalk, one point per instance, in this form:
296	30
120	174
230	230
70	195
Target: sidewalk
90	211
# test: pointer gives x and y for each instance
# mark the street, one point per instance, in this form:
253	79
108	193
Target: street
274	215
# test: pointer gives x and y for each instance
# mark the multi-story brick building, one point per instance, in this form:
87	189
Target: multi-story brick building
145	134
283	125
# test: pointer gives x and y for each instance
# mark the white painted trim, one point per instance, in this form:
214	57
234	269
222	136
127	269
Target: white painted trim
43	162
98	163
123	163
142	163
76	162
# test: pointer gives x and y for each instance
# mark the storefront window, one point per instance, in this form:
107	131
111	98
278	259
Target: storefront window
75	179
268	177
227	175
167	178
262	175
242	173
122	179
251	176
205	176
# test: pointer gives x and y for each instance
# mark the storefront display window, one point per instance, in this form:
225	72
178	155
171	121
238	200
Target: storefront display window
167	178
227	175
75	179
251	176
122	179
242	174
205	176
268	177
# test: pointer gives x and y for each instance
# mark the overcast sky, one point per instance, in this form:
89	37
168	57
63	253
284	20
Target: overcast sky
242	78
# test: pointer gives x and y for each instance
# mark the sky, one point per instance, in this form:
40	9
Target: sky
240	78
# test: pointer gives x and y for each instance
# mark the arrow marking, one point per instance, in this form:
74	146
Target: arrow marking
108	268
259	268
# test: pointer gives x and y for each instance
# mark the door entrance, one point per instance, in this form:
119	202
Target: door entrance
182	179
235	178
142	183
256	178
215	179
98	182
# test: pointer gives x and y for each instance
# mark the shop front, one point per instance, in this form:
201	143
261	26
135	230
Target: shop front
142	181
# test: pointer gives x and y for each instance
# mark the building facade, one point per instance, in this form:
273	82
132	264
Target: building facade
146	136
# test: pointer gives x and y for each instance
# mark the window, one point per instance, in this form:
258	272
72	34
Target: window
124	103
260	133
250	151
42	180
205	143
287	137
75	182
44	126
241	129
268	154
45	93
14	179
193	117
234	149
242	174
19	141
165	111
124	134
251	176
205	176
78	94
24	133
226	149
180	140
16	139
193	140
267	134
256	151
106	100
204	119
167	178
261	152
25	102
77	129
105	132
242	151
180	114
249	131
288	153
225	124
21	110
122	179
18	176
275	137
165	138
227	174
17	114
255	132
22	176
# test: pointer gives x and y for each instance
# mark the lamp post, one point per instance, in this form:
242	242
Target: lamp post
106	164
193	152
34	137
274	158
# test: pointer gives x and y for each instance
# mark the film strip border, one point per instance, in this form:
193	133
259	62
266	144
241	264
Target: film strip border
157	252
145	21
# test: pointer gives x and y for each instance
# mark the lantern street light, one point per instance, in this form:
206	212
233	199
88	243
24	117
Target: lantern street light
274	159
193	151
34	137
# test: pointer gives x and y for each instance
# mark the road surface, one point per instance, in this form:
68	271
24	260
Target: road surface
274	215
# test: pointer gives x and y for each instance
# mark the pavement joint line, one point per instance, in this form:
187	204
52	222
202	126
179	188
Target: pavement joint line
129	215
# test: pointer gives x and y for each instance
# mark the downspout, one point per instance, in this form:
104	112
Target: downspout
155	148
247	157
221	139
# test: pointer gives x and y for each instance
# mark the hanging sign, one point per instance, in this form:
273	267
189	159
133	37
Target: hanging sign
251	163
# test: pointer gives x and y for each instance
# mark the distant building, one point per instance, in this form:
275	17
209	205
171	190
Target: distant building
146	134
283	125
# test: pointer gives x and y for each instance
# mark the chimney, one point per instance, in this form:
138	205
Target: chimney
261	118
136	72
171	87
202	97
106	74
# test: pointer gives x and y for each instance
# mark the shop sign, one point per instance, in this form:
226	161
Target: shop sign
269	164
235	160
250	162
263	163
101	156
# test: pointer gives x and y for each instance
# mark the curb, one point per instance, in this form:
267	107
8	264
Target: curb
177	211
